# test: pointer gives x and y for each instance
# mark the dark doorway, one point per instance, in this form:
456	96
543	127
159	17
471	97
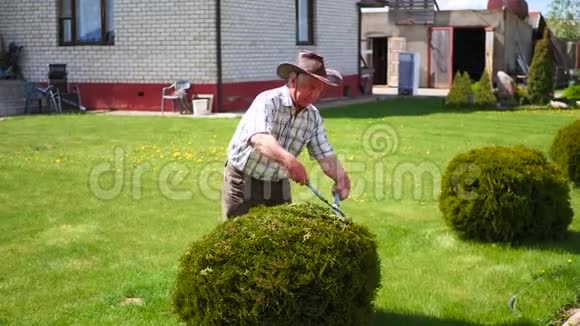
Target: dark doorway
380	46
469	51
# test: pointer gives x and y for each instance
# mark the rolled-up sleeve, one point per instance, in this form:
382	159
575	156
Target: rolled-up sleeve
319	147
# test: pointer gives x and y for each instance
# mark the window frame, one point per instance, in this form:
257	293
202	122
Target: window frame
105	39
310	18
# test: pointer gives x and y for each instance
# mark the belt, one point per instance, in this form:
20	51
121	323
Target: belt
226	164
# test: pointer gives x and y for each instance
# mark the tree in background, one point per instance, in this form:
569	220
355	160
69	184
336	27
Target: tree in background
564	18
460	91
541	76
484	97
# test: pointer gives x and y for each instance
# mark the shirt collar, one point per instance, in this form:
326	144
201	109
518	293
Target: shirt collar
287	100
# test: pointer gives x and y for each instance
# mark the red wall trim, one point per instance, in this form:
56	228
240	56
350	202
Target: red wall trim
147	97
125	96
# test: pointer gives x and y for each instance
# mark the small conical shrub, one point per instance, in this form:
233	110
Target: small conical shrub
460	92
541	76
504	194
565	151
285	265
466	88
467	79
483	97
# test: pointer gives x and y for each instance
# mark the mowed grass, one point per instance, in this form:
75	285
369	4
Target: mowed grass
95	209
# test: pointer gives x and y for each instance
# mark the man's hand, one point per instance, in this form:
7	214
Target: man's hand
296	171
269	147
342	187
332	168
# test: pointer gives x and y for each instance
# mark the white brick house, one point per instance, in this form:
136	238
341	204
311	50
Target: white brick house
228	48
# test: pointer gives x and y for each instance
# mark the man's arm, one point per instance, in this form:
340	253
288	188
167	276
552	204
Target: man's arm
269	147
332	167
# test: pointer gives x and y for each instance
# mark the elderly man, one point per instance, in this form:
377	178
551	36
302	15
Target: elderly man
279	124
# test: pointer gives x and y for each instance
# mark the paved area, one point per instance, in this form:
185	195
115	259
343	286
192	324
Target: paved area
380	93
384	90
167	114
574	320
325	104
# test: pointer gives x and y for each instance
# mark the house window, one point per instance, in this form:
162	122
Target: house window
86	22
304	22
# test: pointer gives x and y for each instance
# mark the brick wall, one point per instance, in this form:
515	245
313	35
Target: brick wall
258	35
155	42
158	42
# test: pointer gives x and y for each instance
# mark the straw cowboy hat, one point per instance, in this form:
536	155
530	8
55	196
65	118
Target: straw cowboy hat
312	64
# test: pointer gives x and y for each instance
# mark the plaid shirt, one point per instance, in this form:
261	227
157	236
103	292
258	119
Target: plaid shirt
272	112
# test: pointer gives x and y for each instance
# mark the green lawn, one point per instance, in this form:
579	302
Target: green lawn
95	209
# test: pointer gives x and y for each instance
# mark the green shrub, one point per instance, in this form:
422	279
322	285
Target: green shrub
505	194
475	87
286	265
460	92
521	95
565	151
541	76
572	93
466	87
484	97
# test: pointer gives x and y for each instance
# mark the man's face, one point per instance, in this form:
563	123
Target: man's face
305	90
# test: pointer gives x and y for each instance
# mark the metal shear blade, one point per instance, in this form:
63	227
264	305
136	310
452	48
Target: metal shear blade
334	206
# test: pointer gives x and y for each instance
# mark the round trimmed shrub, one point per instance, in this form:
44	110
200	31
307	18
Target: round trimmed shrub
504	194
292	264
565	151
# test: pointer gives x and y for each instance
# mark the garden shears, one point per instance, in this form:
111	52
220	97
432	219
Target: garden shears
334	206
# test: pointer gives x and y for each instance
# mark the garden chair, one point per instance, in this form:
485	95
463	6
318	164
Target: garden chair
35	93
175	92
69	95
